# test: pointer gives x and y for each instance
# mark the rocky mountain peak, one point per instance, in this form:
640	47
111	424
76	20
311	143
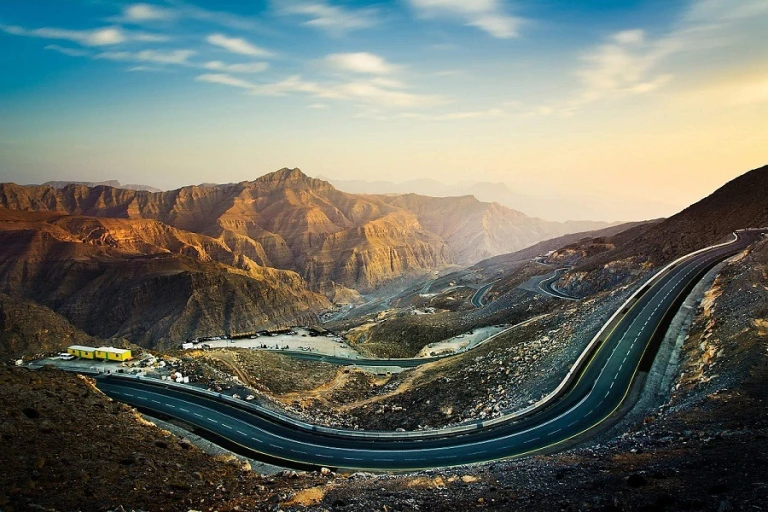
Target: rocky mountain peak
286	177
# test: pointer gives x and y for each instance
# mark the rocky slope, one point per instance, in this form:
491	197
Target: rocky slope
30	329
706	450
110	183
144	281
475	230
68	447
287	220
614	260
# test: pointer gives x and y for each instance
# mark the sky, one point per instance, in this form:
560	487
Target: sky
610	110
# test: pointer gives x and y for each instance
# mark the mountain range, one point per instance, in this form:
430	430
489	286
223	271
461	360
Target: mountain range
110	183
157	267
536	200
287	220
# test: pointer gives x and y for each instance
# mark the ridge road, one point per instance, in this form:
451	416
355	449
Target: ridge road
598	390
547	286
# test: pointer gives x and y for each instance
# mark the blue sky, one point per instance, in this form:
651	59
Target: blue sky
636	108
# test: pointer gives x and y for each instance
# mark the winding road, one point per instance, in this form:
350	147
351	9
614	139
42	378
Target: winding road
547	285
477	298
595	388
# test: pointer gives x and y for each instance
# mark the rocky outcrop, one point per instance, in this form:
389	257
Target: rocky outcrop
30	329
150	283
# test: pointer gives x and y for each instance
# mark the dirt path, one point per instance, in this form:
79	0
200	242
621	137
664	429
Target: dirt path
230	363
319	393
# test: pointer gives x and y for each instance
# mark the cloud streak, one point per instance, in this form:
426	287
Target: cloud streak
363	92
178	57
249	67
105	36
237	45
624	65
333	19
360	62
486	15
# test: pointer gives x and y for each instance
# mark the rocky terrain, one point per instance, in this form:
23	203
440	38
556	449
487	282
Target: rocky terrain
602	263
29	329
705	449
142	280
65	446
700	443
475	230
289	221
110	183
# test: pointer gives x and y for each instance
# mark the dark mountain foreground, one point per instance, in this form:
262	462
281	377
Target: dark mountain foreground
606	262
66	447
140	280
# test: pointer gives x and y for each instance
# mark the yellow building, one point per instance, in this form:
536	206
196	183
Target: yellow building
113	354
82	351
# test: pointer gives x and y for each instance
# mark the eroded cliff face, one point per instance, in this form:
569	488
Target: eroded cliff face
287	220
283	220
144	281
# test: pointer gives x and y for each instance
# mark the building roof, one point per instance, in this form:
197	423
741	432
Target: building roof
82	347
113	350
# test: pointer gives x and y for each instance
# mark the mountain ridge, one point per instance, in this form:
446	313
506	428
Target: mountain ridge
288	220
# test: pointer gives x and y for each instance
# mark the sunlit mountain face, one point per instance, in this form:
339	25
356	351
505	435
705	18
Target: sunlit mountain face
584	110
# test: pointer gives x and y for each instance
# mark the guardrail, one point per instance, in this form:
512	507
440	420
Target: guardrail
286	420
448	431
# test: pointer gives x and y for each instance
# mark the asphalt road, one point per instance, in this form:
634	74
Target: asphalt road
477	298
598	390
548	286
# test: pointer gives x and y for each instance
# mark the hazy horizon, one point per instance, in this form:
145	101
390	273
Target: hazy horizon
609	111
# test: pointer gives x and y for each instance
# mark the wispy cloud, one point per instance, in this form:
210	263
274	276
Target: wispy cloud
179	57
105	36
333	19
623	65
361	62
71	52
174	10
224	79
146	69
249	67
692	56
139	13
364	92
486	15
237	45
